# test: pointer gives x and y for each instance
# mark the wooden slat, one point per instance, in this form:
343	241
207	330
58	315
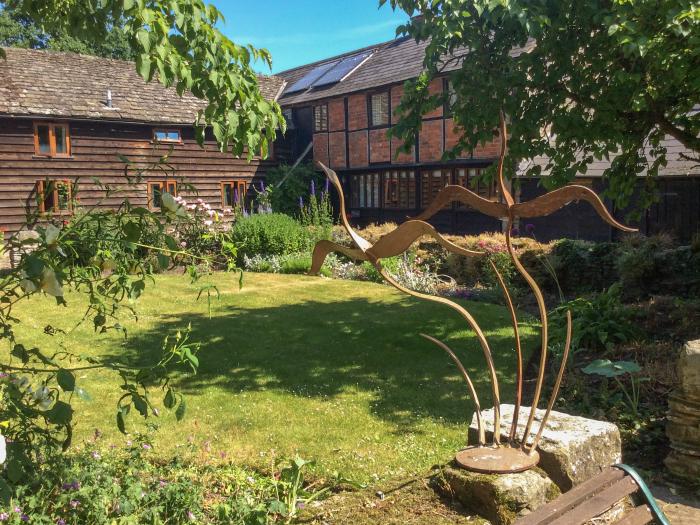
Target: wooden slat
599	503
639	516
573	498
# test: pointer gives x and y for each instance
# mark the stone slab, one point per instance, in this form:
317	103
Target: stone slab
501	499
572	449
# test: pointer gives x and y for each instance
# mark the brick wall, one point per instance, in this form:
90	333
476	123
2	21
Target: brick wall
358	149
337	149
321	147
336	114
430	141
379	146
357	111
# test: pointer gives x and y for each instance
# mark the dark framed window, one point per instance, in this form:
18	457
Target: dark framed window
364	190
167	135
51	140
54	196
400	189
379	109
233	193
156	190
432	181
321	117
448	87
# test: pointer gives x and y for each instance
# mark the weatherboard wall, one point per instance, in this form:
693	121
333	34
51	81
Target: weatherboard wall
95	150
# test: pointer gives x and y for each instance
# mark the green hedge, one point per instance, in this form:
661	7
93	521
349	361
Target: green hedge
273	234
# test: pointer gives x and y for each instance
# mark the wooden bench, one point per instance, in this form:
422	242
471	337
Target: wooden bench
598	495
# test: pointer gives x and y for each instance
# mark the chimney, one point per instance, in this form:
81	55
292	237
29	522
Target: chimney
109	98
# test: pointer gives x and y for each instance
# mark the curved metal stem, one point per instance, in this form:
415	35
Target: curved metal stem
470	386
324	247
479	334
557	383
518	351
545	336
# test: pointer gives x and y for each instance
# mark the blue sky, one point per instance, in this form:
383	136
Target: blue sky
297	32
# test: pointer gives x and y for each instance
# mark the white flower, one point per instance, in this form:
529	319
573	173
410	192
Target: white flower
50	284
171	205
208	223
3	449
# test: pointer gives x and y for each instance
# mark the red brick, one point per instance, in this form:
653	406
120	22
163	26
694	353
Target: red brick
452	136
489	150
396	94
403	158
435	88
358	149
430	141
357	111
379	146
321	147
337	149
336	114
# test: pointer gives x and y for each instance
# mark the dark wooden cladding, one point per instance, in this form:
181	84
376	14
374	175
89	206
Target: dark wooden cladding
95	150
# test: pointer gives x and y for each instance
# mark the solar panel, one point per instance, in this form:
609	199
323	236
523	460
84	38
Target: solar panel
342	69
310	78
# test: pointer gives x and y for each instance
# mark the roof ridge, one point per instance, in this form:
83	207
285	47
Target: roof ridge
342	55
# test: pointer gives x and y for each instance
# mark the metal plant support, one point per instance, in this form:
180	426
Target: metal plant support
519	452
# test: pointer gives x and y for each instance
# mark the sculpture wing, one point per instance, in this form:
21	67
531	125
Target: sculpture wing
399	240
454	193
323	248
557	199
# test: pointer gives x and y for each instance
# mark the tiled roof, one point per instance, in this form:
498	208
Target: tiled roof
56	84
394	61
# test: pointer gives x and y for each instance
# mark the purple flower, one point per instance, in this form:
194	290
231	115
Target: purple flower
74	504
327	186
96	455
24	517
235	195
4	516
17	510
530	228
300	504
312	189
75	485
301	201
262	187
191	516
162	483
515	232
146	446
60	521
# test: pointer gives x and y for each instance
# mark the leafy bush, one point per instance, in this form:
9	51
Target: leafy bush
295	263
286	188
271	234
598	323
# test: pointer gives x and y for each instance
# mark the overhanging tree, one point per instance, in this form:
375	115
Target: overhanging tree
580	80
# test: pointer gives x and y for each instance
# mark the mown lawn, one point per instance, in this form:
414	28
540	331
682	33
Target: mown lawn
332	370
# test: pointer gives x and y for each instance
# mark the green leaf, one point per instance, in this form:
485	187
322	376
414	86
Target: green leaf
60	414
144	66
180	412
132	231
15	470
20	352
606	368
121	425
169	399
66	380
128	4
144	39
163	261
140	404
5	489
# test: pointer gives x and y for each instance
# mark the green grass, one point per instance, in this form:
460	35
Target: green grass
332	370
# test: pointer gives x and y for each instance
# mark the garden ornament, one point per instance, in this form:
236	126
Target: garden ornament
519	453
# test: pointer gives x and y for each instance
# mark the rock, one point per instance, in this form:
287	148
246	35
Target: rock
683	422
499	498
572	449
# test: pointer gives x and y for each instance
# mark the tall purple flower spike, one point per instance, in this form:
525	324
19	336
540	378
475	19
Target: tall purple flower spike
312	189
235	195
301	201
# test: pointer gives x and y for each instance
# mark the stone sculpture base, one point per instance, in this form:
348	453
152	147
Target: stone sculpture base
572	449
683	423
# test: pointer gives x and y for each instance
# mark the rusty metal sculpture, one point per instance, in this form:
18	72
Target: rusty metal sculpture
520	452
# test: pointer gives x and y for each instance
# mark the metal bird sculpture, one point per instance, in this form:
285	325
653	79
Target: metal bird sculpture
519	453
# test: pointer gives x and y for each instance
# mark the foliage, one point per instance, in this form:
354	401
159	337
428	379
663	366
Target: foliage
318	211
599	322
178	43
21	31
270	234
298	263
605	79
288	185
608	369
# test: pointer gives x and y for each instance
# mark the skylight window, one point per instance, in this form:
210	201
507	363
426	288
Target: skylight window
330	72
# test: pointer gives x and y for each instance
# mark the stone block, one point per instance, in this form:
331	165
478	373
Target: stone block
572	449
501	499
689	369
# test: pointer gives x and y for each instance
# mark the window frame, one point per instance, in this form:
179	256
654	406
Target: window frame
370	112
237	185
164	186
40	187
166	131
52	140
324	118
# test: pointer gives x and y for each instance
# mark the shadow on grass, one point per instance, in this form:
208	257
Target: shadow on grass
317	349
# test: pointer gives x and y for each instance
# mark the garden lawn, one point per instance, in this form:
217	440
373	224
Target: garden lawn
331	370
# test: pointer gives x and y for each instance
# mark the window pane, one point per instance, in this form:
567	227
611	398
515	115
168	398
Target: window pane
321	118
362	179
380	109
171	188
44	140
63	194
375	190
155	196
227	190
173	135
47	189
160	135
61	135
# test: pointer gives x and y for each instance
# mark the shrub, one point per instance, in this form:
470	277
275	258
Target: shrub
286	187
298	263
271	234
